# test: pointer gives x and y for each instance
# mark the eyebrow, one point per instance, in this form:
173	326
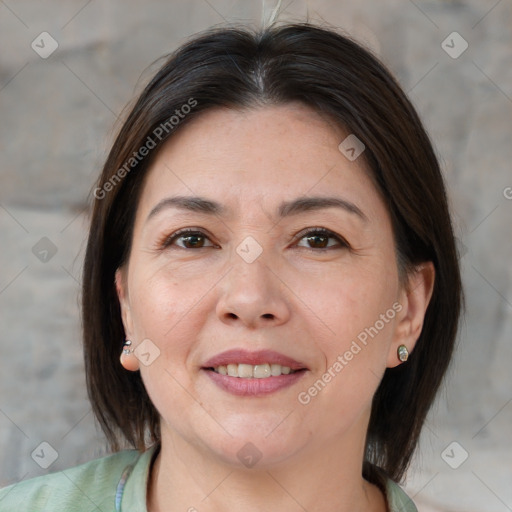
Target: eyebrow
286	208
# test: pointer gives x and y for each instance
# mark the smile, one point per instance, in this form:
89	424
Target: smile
257	371
247	373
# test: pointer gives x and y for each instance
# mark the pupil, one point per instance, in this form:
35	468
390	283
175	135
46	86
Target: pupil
193	240
316	239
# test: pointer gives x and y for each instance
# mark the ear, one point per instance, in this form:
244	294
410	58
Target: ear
124	302
414	299
128	361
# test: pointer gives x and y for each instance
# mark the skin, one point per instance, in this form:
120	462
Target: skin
194	301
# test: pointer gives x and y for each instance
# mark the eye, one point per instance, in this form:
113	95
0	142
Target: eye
187	239
318	238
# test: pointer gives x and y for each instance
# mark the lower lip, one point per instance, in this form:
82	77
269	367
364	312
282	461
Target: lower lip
254	387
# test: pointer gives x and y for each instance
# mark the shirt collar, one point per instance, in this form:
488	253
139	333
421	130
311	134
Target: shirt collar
134	494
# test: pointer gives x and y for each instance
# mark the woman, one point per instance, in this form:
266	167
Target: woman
271	286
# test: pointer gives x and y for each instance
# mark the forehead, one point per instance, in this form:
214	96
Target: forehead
262	156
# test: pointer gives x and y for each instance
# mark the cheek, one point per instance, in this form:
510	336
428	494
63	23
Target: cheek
360	310
164	304
168	310
361	316
352	302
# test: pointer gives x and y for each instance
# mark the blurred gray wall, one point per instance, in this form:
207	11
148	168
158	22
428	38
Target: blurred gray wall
57	115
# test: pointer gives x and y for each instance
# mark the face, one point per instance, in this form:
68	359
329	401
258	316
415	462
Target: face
249	277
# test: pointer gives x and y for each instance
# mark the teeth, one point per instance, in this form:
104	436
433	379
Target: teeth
261	371
275	369
233	370
249	371
245	371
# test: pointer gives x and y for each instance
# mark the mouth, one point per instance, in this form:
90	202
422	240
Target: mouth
245	373
256	371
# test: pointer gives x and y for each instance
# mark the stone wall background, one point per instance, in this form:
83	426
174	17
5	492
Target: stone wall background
57	119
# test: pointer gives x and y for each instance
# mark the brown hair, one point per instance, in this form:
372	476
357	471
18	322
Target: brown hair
239	68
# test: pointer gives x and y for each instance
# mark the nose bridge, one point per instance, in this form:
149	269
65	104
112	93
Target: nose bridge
252	291
251	273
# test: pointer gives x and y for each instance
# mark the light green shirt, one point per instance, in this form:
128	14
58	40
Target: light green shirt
116	483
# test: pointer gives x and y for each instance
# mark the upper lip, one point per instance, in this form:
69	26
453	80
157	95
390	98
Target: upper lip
241	356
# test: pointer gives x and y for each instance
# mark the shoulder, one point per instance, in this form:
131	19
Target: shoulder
88	487
398	501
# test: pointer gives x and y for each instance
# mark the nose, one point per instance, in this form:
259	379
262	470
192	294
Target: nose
253	295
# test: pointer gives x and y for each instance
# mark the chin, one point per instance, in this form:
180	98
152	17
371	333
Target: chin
254	456
255	448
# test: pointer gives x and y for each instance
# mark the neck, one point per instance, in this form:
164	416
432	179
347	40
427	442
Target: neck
187	478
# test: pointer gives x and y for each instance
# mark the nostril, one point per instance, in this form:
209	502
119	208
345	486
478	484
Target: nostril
268	315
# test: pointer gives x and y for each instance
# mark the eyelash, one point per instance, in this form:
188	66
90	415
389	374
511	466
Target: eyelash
342	243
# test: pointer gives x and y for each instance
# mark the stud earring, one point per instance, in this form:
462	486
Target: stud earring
403	353
126	348
129	363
